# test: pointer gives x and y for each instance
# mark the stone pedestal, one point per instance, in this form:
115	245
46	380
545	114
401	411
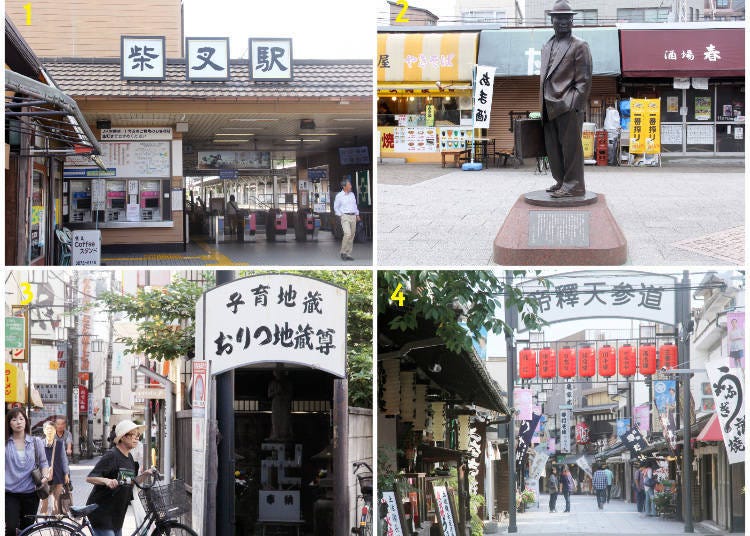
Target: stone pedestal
573	231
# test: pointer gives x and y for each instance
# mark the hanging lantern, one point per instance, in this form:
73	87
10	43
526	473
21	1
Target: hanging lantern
627	360
547	365
668	356
567	362
527	363
587	365
647	359
582	433
607	361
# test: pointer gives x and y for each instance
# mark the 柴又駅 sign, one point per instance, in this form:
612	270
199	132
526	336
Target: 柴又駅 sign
273	318
604	294
207	58
271	59
142	58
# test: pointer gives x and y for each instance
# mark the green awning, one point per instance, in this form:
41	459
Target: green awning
518	52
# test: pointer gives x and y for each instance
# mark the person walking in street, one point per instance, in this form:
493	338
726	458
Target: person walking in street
110	474
345	207
640	493
23	452
552	485
232	215
54	450
649	482
610	480
61	425
566	486
600	487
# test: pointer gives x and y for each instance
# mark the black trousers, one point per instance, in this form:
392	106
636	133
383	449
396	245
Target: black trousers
609	491
566	494
552	501
562	139
17	507
641	500
601	497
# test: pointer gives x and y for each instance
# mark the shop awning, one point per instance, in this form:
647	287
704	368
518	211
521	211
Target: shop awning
427	57
667	53
600	408
712	430
518	52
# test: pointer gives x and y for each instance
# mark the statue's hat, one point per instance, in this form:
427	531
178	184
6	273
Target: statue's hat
562	7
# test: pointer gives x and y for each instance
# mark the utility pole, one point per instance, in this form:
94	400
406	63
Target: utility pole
683	350
72	409
511	320
107	405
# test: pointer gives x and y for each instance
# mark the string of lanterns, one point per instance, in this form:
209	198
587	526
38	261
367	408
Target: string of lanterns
626	360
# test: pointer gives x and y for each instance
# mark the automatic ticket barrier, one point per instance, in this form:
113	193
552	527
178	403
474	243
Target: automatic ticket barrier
276	225
249	227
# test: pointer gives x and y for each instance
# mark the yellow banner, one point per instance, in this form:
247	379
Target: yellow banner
15	388
645	126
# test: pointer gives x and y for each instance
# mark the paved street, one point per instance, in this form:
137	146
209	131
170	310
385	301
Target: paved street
617	517
322	252
448	217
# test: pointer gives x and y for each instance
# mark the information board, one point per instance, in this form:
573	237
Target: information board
126	159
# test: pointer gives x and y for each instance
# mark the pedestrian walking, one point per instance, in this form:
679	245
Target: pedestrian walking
610	479
23	452
54	450
345	207
552	485
61	425
649	482
566	486
640	493
110	475
600	487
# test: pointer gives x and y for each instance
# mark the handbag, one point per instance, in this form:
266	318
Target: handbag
41	488
66	498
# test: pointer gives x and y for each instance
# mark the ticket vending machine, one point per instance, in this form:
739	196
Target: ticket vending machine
150	201
116	201
80	202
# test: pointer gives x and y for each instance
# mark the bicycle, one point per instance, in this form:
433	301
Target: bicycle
363	517
163	504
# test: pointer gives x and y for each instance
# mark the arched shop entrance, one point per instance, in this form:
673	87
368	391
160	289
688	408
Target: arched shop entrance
657	298
276	400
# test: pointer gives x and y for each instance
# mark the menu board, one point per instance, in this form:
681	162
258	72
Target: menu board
415	139
454	138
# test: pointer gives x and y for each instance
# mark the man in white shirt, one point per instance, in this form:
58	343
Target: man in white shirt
345	207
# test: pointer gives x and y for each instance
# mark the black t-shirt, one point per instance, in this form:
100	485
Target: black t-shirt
113	503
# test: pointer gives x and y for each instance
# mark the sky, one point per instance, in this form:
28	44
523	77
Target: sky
320	30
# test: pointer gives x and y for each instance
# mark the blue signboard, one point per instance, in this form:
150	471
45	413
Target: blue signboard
227	173
88	173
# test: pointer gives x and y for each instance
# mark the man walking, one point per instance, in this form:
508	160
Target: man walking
565	83
345	207
600	486
552	485
62	433
640	492
610	480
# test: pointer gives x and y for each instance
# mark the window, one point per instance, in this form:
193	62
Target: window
649	14
722	4
116	380
483	15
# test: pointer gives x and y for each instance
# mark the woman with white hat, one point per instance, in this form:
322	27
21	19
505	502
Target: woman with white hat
115	466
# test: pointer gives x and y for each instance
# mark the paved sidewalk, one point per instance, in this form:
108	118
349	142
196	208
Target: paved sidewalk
617	518
430	216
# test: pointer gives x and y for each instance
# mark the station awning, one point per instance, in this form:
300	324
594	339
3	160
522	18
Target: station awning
667	53
427	57
518	52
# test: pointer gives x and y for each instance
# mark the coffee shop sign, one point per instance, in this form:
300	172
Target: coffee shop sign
604	295
273	318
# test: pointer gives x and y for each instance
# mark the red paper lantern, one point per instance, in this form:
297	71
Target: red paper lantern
527	363
607	361
567	362
627	360
668	356
587	365
547	365
647	359
582	433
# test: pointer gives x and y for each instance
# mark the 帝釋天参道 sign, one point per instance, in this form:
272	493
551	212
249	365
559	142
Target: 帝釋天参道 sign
273	318
604	294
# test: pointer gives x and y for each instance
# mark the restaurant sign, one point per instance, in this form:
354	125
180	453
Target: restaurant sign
273	318
604	294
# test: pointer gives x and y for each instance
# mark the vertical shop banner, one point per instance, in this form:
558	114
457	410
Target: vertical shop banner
584	464
565	430
551	446
483	83
665	400
475	463
538	464
728	390
637	136
522	401
642	418
443	502
392	519
525	433
735	339
623	425
634	441
653	126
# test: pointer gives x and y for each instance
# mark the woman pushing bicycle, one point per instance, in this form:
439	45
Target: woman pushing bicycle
111	478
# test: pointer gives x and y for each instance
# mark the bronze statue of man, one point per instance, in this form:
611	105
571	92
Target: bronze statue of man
565	83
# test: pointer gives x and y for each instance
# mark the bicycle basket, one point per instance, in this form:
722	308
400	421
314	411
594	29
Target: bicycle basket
365	484
167	501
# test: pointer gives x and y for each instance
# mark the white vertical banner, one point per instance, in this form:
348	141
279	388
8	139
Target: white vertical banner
538	465
728	388
483	84
522	401
564	430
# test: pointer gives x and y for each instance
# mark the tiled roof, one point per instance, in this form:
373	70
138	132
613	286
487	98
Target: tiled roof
80	77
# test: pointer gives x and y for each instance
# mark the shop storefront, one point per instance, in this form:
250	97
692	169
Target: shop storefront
698	74
516	56
424	93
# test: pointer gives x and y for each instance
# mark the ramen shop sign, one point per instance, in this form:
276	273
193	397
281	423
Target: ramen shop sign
274	318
